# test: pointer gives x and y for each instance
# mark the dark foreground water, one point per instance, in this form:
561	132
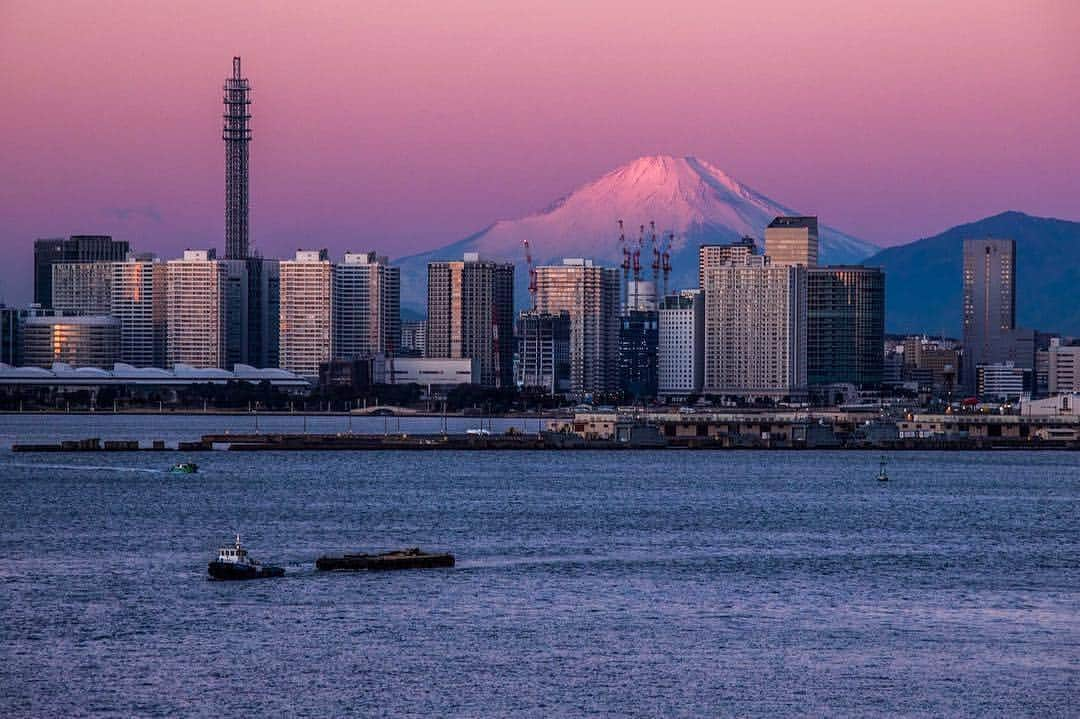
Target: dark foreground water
650	584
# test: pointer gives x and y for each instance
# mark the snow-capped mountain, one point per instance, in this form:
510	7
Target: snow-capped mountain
686	196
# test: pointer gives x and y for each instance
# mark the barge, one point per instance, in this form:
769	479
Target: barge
411	558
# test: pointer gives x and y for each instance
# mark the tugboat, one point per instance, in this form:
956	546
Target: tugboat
234	563
882	475
184	468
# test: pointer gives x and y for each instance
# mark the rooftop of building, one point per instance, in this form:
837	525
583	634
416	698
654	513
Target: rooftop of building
807	221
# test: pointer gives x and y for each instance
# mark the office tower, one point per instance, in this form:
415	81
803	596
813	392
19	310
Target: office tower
77	248
366	306
413	338
471	315
845	325
544	351
137	300
715	255
989	304
755	330
82	288
681	344
85	341
195	303
305	306
638	341
237	136
1000	381
251	311
590	295
792	241
263	312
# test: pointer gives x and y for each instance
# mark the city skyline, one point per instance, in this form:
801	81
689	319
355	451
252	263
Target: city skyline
146	167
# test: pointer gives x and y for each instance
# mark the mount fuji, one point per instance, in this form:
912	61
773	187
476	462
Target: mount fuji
686	196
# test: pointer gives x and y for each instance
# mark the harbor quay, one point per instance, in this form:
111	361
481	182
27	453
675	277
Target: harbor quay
642	430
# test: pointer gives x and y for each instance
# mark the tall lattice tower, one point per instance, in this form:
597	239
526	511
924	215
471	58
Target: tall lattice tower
236	135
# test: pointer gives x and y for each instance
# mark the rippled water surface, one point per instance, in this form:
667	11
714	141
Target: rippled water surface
588	583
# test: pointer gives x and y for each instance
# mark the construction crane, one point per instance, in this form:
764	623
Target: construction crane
665	259
532	271
625	265
637	253
655	257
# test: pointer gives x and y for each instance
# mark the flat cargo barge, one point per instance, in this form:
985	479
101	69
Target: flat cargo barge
402	559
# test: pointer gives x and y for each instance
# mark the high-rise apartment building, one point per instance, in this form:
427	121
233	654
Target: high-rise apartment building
989	298
138	301
845	318
471	315
792	241
195	313
413	338
82	288
306	339
366	306
237	136
77	248
681	344
755	330
590	295
544	351
715	255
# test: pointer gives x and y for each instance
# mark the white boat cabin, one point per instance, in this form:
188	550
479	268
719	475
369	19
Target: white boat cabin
235	554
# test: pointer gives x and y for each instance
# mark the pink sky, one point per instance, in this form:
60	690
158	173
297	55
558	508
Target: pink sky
401	126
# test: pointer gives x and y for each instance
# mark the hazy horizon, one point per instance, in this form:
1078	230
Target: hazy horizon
401	129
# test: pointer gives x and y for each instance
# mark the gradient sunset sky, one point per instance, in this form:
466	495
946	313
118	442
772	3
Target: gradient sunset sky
401	126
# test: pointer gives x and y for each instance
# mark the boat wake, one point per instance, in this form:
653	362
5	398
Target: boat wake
82	467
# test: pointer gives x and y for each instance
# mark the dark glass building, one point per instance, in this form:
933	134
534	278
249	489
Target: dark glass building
845	316
639	338
77	248
544	351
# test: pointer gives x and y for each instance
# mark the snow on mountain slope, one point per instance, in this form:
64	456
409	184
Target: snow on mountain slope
686	196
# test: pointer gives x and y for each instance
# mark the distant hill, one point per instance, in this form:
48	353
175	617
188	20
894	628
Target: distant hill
923	279
689	197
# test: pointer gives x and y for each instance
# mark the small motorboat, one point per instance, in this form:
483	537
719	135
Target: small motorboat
184	468
234	563
882	475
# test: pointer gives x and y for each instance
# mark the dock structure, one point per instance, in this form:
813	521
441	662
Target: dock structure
627	431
